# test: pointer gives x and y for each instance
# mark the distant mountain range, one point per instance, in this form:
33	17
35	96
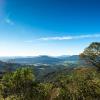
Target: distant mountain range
8	66
43	65
41	59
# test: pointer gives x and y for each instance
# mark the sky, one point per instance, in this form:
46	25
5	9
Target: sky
48	27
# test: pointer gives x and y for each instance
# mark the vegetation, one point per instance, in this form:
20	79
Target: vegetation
82	83
92	54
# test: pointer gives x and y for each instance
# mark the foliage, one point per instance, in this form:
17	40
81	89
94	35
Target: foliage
18	84
92	54
80	84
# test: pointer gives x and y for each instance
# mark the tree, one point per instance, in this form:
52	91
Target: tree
19	84
92	54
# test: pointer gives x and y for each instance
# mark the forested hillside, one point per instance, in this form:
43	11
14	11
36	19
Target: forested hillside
74	83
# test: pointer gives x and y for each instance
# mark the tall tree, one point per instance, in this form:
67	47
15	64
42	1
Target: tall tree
92	54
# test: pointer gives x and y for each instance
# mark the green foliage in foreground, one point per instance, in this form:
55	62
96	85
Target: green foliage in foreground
80	84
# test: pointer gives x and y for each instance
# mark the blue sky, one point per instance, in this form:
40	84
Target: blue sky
48	27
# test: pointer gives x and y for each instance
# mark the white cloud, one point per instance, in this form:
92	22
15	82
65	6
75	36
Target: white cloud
70	37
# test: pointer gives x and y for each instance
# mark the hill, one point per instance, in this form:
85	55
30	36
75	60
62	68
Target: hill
38	60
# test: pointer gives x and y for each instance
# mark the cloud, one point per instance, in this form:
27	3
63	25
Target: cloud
70	37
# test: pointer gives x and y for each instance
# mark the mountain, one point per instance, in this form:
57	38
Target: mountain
42	65
35	60
69	58
43	59
4	66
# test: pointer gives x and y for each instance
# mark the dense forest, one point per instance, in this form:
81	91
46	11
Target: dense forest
77	83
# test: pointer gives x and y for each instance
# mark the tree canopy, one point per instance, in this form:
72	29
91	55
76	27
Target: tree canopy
92	54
